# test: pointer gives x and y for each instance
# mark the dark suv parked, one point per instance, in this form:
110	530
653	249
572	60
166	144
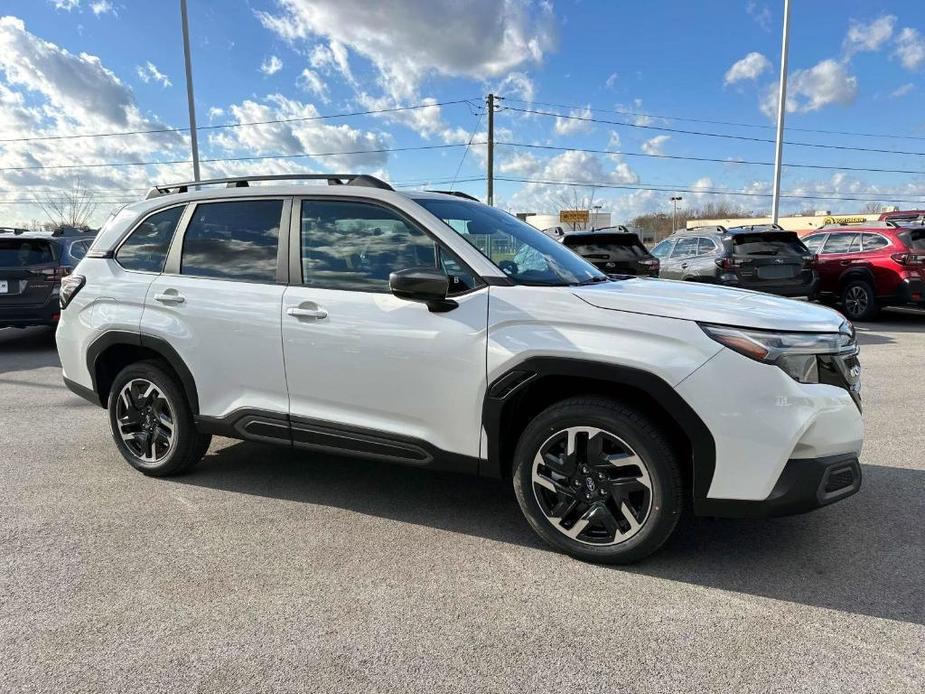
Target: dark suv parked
764	258
869	266
613	250
32	264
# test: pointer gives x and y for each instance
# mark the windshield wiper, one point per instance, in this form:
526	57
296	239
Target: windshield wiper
594	280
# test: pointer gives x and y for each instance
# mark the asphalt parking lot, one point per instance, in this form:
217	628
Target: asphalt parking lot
265	570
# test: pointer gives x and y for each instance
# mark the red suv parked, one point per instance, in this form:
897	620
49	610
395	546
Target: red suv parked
869	266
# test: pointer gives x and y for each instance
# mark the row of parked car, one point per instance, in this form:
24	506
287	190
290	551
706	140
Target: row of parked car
859	268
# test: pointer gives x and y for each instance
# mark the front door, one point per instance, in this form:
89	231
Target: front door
836	256
218	304
369	372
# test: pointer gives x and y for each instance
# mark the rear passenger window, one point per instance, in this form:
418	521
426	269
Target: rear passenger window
145	250
233	240
685	248
871	242
706	247
842	243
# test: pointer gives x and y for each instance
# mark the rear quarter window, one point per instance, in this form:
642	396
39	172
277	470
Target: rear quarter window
914	239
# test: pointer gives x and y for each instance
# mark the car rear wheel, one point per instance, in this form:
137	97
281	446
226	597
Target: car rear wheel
151	421
859	301
598	480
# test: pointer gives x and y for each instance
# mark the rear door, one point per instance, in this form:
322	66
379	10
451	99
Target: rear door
771	259
679	261
27	271
218	303
837	253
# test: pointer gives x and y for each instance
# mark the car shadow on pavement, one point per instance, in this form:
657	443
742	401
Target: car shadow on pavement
864	555
27	348
890	321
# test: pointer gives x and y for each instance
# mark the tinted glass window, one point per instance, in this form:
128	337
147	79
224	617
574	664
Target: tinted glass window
605	247
775	243
814	243
146	248
706	246
871	242
233	240
356	246
662	250
914	239
842	243
24	252
79	249
523	253
685	248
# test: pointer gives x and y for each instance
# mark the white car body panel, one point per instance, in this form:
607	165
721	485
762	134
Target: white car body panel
380	362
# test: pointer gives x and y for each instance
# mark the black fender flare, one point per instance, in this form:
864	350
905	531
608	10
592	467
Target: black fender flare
501	390
161	347
856	273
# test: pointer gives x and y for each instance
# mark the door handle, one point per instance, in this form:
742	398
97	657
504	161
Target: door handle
313	313
170	298
684	265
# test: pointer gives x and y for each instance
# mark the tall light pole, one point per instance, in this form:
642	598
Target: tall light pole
675	199
781	111
189	90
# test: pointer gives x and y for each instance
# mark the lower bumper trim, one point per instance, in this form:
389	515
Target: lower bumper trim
804	485
84	392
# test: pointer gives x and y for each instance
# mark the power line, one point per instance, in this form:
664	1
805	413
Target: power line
255	157
725	136
748	162
639	114
236	125
478	122
823	195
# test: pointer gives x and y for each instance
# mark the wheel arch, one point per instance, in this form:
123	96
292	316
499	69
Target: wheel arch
114	350
857	273
526	389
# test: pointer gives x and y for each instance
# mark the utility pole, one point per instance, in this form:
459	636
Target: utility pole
189	90
490	173
675	199
781	111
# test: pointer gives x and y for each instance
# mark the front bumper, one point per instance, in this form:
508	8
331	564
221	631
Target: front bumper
804	485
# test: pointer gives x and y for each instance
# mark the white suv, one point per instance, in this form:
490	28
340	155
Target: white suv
432	330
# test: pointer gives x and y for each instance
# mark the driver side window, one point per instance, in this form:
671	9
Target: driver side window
355	246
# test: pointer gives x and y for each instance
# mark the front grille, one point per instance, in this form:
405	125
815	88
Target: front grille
839	479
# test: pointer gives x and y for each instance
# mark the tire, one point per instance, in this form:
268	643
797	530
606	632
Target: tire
635	494
858	301
144	402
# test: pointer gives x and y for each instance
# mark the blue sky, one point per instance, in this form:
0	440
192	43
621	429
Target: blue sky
90	66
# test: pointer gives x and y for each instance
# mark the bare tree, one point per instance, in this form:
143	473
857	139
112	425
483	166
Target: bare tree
872	207
576	198
71	207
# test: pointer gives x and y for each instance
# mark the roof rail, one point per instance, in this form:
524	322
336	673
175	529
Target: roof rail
457	193
879	224
717	227
13	230
752	227
619	227
245	181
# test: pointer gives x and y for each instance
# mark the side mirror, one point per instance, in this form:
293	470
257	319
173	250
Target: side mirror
426	285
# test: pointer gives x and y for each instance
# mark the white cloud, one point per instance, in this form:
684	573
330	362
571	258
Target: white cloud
149	73
271	65
614	142
522	164
573	124
902	90
517	84
910	49
66	4
869	37
750	67
477	39
611	80
760	14
311	82
828	82
215	112
305	136
100	7
654	146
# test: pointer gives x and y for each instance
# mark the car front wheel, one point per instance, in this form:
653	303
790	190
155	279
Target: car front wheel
151	421
598	480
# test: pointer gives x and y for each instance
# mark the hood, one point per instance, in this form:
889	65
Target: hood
708	303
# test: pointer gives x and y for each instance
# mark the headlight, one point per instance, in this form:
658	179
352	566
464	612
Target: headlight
795	353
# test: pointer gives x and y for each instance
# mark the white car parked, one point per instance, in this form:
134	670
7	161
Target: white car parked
352	318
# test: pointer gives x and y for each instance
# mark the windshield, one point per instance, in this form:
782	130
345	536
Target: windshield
523	253
777	243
